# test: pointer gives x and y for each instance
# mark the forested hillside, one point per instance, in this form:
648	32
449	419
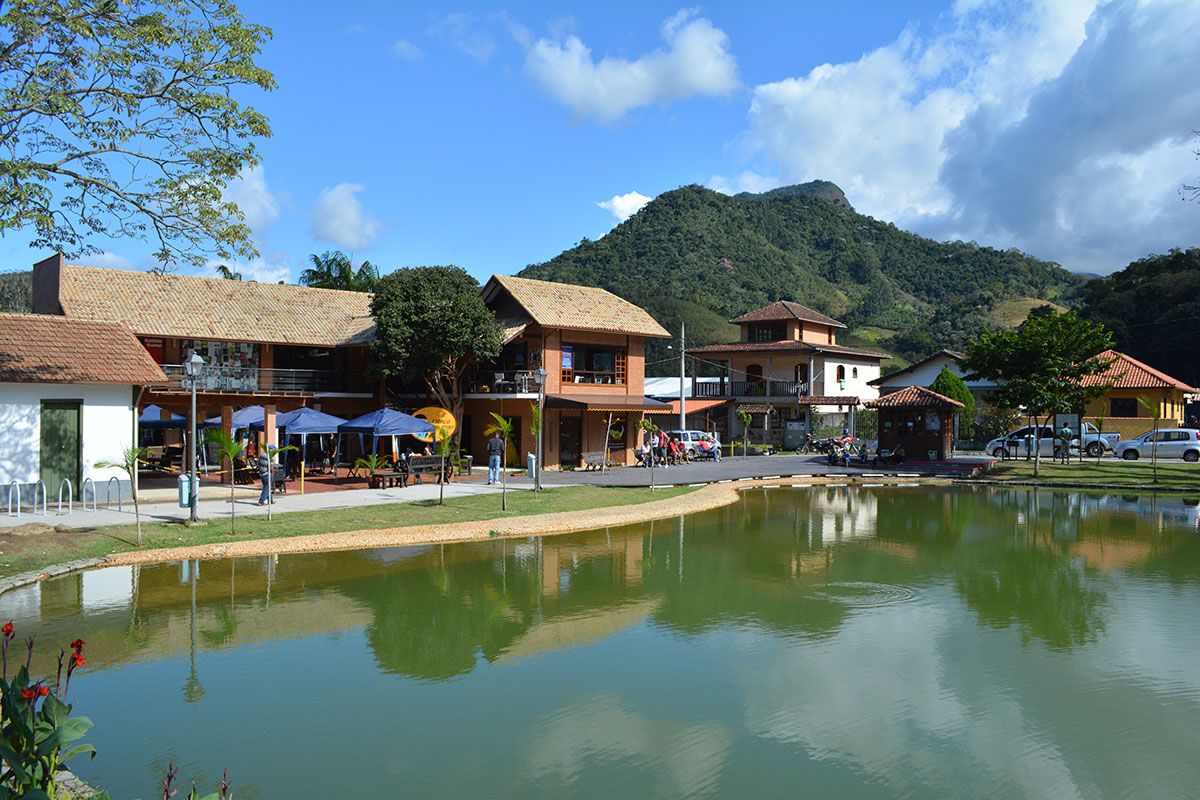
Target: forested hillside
700	257
1153	309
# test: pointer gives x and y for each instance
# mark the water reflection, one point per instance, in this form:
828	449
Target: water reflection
907	635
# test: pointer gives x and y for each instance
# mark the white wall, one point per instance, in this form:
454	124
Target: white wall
925	374
106	428
827	381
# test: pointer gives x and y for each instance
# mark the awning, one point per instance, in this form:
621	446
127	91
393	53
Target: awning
757	409
828	400
303	421
696	405
386	422
151	418
607	402
242	418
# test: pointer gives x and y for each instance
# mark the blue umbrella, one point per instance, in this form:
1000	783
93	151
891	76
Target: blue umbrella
151	417
304	421
386	422
242	418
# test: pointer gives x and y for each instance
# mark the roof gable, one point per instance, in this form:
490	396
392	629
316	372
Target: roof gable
40	348
564	305
1126	372
916	397
786	310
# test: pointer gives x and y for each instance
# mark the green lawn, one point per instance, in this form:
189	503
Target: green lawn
1172	473
36	546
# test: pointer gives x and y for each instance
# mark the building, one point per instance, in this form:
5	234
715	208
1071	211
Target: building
788	370
1120	410
69	393
919	420
592	346
925	371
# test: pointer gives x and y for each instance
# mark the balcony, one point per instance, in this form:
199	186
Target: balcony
253	380
503	382
762	388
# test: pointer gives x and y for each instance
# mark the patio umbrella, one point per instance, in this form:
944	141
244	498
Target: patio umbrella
151	417
385	422
242	418
302	422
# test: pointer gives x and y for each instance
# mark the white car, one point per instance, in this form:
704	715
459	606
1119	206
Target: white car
1171	443
1021	442
691	442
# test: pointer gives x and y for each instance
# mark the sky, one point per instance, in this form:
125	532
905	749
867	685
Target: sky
496	136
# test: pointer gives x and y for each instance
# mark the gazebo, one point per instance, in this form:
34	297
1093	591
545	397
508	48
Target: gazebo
918	420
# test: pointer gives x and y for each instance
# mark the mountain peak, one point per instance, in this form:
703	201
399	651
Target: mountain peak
824	190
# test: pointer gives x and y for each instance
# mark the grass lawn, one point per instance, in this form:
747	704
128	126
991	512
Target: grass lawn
34	546
1109	472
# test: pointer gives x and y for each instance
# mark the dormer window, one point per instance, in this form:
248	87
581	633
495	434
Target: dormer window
766	332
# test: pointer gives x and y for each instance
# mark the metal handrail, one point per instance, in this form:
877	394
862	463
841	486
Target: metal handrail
45	497
70	496
83	493
11	486
108	493
237	378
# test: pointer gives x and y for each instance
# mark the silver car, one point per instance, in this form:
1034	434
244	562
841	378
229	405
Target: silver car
1171	443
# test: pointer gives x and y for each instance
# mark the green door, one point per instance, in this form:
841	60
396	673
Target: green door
60	449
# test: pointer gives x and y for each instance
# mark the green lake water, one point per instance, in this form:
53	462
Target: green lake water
824	642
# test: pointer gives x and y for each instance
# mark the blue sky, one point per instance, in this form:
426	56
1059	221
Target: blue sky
488	135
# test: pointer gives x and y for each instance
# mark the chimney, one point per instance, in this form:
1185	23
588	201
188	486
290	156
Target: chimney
47	281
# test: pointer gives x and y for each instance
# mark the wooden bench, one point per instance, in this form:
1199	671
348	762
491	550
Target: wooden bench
388	480
428	465
594	459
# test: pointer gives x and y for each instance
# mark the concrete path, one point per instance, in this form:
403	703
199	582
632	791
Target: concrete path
219	509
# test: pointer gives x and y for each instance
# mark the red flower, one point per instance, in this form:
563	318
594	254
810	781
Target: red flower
43	691
7	630
77	645
78	660
28	694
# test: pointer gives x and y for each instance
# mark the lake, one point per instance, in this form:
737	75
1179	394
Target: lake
841	642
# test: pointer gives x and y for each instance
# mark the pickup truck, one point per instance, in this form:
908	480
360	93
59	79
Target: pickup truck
1020	442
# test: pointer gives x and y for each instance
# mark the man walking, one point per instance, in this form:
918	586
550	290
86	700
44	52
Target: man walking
495	451
264	472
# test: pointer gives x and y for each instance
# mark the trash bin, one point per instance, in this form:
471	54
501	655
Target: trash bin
185	491
531	464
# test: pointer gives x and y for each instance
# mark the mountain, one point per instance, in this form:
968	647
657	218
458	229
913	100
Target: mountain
697	256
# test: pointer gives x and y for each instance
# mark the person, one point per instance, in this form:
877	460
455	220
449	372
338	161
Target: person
639	453
716	448
664	447
264	472
898	454
495	452
1064	444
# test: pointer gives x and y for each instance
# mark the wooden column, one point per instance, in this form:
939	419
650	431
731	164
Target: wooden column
227	429
269	429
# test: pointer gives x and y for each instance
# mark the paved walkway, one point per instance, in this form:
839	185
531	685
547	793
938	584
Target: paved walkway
219	509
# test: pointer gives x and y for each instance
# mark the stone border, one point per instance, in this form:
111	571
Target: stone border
706	498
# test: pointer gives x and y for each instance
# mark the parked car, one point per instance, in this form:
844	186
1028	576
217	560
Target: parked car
1094	442
691	442
1020	442
1171	443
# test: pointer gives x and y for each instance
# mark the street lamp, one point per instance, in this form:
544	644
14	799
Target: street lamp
193	367
539	377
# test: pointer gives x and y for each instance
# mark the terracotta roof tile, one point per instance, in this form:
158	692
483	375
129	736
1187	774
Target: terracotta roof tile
915	397
190	307
1126	372
786	309
39	348
563	305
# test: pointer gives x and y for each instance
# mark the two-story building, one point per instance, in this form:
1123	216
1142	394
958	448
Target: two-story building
788	370
592	346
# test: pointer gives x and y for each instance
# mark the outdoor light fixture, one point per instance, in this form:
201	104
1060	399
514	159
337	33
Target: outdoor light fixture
193	367
539	377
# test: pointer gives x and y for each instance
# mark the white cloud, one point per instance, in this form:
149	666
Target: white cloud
624	206
465	32
109	259
1036	126
405	49
340	219
746	181
697	61
269	268
255	199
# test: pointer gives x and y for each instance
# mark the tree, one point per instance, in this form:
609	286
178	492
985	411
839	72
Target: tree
225	273
535	430
504	426
118	119
128	463
948	384
430	324
1154	411
333	269
228	449
1042	366
746	419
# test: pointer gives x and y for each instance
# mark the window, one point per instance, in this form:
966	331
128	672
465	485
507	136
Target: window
588	364
841	372
854	373
772	332
1122	407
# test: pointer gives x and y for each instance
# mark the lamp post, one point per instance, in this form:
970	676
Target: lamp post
193	367
539	377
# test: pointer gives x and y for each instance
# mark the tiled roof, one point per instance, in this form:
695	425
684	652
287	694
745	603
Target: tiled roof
40	348
189	307
564	305
786	309
827	400
1126	372
916	397
785	345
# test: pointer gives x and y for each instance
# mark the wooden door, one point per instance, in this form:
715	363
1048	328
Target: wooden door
60	453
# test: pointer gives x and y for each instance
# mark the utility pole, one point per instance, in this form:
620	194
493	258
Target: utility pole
682	379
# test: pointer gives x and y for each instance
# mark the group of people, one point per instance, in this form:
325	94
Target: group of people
662	450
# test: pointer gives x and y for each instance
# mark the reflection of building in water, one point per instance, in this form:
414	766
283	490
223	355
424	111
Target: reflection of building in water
840	514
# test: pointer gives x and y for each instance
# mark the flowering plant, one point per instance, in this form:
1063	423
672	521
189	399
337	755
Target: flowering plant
37	732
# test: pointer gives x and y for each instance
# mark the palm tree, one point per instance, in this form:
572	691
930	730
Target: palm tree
333	269
130	458
535	429
370	464
505	427
229	448
227	273
442	442
1154	411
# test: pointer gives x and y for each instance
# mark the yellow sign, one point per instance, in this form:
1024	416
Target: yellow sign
440	418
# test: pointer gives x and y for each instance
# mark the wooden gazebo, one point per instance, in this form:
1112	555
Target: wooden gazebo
919	420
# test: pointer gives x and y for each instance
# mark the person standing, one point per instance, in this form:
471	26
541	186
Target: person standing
264	472
495	452
1064	448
